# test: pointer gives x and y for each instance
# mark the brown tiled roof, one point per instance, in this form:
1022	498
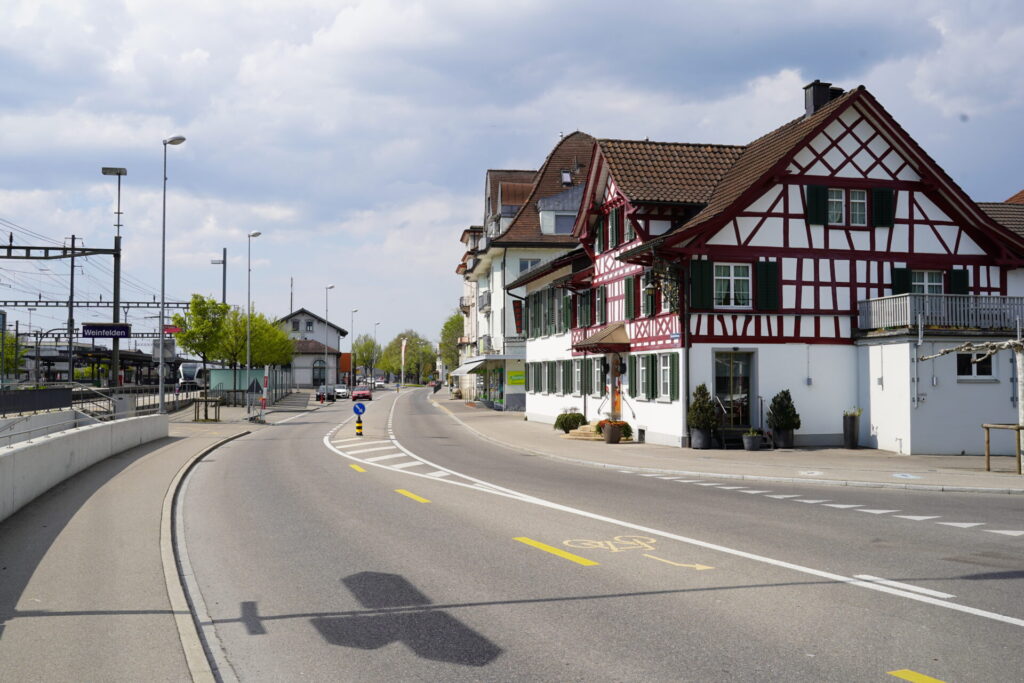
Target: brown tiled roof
307	346
515	194
667	171
572	153
473	229
495	177
1008	214
1017	198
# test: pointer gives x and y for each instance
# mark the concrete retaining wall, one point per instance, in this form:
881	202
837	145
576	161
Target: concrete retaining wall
31	468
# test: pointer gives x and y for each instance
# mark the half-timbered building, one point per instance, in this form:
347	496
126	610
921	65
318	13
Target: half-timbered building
826	257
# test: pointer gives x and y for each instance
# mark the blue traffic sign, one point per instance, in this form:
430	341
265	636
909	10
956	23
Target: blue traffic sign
358	408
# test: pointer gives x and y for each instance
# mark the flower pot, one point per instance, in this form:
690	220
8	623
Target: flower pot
851	431
783	438
612	433
700	438
751	442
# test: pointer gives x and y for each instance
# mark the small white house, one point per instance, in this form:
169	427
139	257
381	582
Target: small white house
317	343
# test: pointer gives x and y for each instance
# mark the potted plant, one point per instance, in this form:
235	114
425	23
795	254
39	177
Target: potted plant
614	430
783	419
851	427
752	440
569	421
701	418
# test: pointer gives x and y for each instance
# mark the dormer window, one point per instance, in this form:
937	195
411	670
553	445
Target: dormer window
566	178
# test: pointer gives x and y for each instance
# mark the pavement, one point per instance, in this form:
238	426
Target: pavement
823	466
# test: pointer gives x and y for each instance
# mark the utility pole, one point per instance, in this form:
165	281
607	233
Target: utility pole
71	317
115	345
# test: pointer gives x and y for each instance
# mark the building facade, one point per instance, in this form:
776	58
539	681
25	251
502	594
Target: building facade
317	343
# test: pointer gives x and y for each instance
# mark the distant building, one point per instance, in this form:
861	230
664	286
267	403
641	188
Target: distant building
317	343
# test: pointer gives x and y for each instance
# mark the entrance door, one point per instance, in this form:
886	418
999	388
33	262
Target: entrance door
732	387
319	373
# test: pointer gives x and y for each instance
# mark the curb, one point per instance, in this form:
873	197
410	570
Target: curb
188	631
746	477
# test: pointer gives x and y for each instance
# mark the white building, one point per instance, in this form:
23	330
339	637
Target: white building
317	343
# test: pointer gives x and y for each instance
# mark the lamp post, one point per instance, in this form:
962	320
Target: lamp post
327	329
373	355
174	140
248	313
352	348
115	343
223	260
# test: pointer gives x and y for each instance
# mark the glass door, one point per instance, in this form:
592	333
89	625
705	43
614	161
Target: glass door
732	387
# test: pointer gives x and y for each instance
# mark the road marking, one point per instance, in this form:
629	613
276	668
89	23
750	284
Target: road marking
918	518
556	551
843	506
913	676
386	457
708	483
686	481
730	488
616	545
407	494
904	586
371	450
698	567
751	491
1004	533
357	468
403	465
783	496
670	478
439	474
354	438
961	525
812	502
877	512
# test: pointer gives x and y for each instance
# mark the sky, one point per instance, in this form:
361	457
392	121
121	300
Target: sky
355	136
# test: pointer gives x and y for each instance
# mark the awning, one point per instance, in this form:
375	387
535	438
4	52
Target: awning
611	339
467	368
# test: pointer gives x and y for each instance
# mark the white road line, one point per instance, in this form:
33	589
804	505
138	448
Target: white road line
707	483
354	438
439	474
656	474
877	512
1005	532
403	465
904	586
670	478
730	488
751	491
783	496
961	525
842	506
374	442
385	457
917	518
812	502
686	481
371	450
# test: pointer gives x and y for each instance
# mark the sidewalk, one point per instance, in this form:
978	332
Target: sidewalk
830	466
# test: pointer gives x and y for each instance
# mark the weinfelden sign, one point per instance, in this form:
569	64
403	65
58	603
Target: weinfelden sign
110	330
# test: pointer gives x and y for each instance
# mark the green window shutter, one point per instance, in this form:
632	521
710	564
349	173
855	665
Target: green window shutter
900	281
587	314
883	207
599	237
958	282
702	285
629	233
652	376
526	378
602	304
566	312
674	370
549	319
767	274
817	204
648	294
612	232
631	375
628	284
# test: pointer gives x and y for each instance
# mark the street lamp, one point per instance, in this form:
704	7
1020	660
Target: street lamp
327	328
115	343
373	355
352	348
223	260
248	313
174	140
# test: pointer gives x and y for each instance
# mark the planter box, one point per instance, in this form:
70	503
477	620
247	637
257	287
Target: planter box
751	442
700	438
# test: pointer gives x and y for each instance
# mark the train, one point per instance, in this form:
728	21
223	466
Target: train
190	376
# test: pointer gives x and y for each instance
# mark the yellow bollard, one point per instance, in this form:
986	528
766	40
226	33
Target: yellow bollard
359	426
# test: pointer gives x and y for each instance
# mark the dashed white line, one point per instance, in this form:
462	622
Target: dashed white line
783	496
370	450
1004	532
811	502
386	457
842	506
403	465
962	525
877	512
729	488
753	492
439	474
918	518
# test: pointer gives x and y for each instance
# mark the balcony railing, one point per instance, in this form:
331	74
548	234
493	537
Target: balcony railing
465	303
952	311
484	301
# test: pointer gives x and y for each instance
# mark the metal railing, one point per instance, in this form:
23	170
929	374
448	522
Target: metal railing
484	300
942	310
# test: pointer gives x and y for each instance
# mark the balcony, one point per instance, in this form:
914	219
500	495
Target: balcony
465	303
484	345
484	301
941	311
464	341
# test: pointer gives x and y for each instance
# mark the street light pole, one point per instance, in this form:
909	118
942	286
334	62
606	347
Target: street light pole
352	349
248	314
115	343
373	355
224	278
327	329
174	140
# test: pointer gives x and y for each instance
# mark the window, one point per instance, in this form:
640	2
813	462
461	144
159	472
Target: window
526	263
564	223
732	285
577	377
630	232
664	375
966	369
309	326
641	377
598	377
858	207
926	282
509	210
566	178
836	202
295	325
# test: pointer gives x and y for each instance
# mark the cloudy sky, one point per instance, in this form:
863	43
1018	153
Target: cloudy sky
355	135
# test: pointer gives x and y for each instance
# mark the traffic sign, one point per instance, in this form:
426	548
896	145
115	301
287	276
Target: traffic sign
358	408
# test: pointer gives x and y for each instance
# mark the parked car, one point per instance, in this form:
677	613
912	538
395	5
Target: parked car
341	391
379	384
362	393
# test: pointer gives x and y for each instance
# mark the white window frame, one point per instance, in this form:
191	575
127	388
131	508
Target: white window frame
975	376
526	263
732	278
859	198
664	376
663	302
577	378
598	376
641	378
836	200
927	282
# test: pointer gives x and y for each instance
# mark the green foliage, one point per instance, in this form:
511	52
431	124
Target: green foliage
701	414
232	341
201	326
852	412
270	344
366	352
782	413
627	431
419	356
449	345
569	421
12	361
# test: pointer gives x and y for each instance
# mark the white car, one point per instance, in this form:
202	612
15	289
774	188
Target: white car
379	384
341	391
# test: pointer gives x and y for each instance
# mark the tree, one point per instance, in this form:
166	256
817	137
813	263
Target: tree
201	327
449	344
270	344
232	344
11	363
365	352
419	353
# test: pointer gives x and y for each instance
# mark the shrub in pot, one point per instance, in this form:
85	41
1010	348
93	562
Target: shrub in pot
569	421
851	427
783	419
752	440
701	417
611	428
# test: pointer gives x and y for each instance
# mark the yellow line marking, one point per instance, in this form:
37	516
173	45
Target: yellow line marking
556	551
418	499
908	675
698	567
357	468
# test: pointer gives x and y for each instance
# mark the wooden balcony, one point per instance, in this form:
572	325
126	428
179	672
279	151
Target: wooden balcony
941	311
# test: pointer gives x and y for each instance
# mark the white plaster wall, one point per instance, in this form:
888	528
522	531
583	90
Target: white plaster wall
1015	282
885	423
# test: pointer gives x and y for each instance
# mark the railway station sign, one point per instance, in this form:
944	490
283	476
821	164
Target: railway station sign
108	330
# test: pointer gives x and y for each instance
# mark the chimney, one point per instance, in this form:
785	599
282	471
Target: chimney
817	94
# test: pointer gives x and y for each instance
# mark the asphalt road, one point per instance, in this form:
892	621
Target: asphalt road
445	557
